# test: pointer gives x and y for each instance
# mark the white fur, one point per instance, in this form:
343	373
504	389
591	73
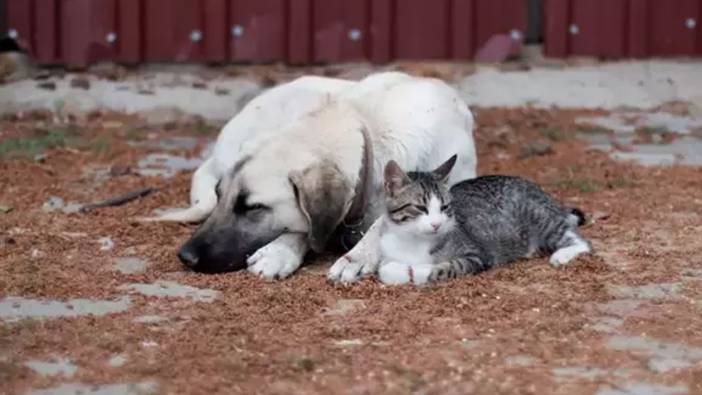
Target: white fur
278	259
418	122
411	242
565	255
395	273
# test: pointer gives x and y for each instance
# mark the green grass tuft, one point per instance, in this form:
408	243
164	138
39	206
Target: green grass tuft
31	147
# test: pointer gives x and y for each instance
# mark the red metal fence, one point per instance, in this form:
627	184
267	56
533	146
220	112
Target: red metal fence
623	28
80	32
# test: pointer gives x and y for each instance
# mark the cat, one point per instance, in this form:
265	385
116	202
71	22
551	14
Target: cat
431	232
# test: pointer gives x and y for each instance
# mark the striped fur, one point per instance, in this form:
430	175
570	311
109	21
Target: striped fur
493	220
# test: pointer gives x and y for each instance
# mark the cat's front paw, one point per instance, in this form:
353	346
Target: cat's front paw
421	274
395	273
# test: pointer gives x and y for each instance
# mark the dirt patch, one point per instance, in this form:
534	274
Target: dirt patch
526	328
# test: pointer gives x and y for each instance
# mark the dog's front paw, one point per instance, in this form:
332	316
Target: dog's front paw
395	273
274	262
346	270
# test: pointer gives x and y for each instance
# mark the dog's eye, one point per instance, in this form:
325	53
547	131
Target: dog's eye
422	209
256	207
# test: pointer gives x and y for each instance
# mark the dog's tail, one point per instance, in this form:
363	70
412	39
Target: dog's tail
202	195
576	216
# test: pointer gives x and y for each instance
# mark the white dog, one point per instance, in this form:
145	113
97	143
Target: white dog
301	165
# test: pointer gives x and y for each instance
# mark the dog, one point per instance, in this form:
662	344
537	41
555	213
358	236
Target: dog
302	163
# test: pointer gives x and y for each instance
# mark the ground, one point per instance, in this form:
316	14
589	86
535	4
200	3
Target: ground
625	320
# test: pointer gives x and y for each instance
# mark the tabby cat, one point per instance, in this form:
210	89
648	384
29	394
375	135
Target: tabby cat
431	232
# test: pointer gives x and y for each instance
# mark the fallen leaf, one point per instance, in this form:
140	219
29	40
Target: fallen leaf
5	209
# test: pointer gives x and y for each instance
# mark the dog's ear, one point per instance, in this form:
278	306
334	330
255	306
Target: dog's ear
395	178
324	197
442	172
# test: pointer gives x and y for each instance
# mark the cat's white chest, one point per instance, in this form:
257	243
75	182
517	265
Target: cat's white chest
408	250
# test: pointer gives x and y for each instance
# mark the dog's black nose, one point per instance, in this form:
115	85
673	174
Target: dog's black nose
188	257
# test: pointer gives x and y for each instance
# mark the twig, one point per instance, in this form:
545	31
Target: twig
119	200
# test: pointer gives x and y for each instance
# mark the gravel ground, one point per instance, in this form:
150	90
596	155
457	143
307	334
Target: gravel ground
625	320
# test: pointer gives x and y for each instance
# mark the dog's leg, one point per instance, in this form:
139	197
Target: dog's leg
362	260
280	258
203	197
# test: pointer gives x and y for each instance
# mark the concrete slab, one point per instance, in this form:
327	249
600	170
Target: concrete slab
648	291
14	308
142	388
643	388
56	367
172	289
663	357
130	265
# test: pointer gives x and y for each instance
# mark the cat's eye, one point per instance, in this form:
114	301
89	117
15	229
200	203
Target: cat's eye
445	207
422	209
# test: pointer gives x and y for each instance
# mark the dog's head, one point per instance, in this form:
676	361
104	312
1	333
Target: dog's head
263	197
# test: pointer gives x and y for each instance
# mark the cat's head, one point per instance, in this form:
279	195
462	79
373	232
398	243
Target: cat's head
419	202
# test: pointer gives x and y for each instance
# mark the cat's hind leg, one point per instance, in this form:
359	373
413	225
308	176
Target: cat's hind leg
568	248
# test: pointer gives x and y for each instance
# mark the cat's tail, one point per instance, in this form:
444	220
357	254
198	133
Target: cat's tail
576	216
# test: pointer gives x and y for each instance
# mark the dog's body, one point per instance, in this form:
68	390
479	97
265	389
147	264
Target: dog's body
290	164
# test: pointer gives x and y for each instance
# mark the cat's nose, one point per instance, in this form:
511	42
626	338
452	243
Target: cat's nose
436	225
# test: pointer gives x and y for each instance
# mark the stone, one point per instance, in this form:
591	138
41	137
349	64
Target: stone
59	366
130	265
106	243
642	388
348	343
520	360
345	306
649	291
663	357
142	388
117	360
16	308
172	289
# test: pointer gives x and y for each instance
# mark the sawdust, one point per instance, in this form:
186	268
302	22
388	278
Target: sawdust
260	337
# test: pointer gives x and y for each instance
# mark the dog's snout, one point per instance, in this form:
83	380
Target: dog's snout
188	256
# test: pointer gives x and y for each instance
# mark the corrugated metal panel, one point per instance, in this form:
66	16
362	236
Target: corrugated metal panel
129	31
671	29
499	17
174	30
80	32
622	28
258	30
46	32
422	29
599	27
19	22
299	33
88	31
340	30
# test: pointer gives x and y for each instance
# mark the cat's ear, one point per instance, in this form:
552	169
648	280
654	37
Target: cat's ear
442	172
395	178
